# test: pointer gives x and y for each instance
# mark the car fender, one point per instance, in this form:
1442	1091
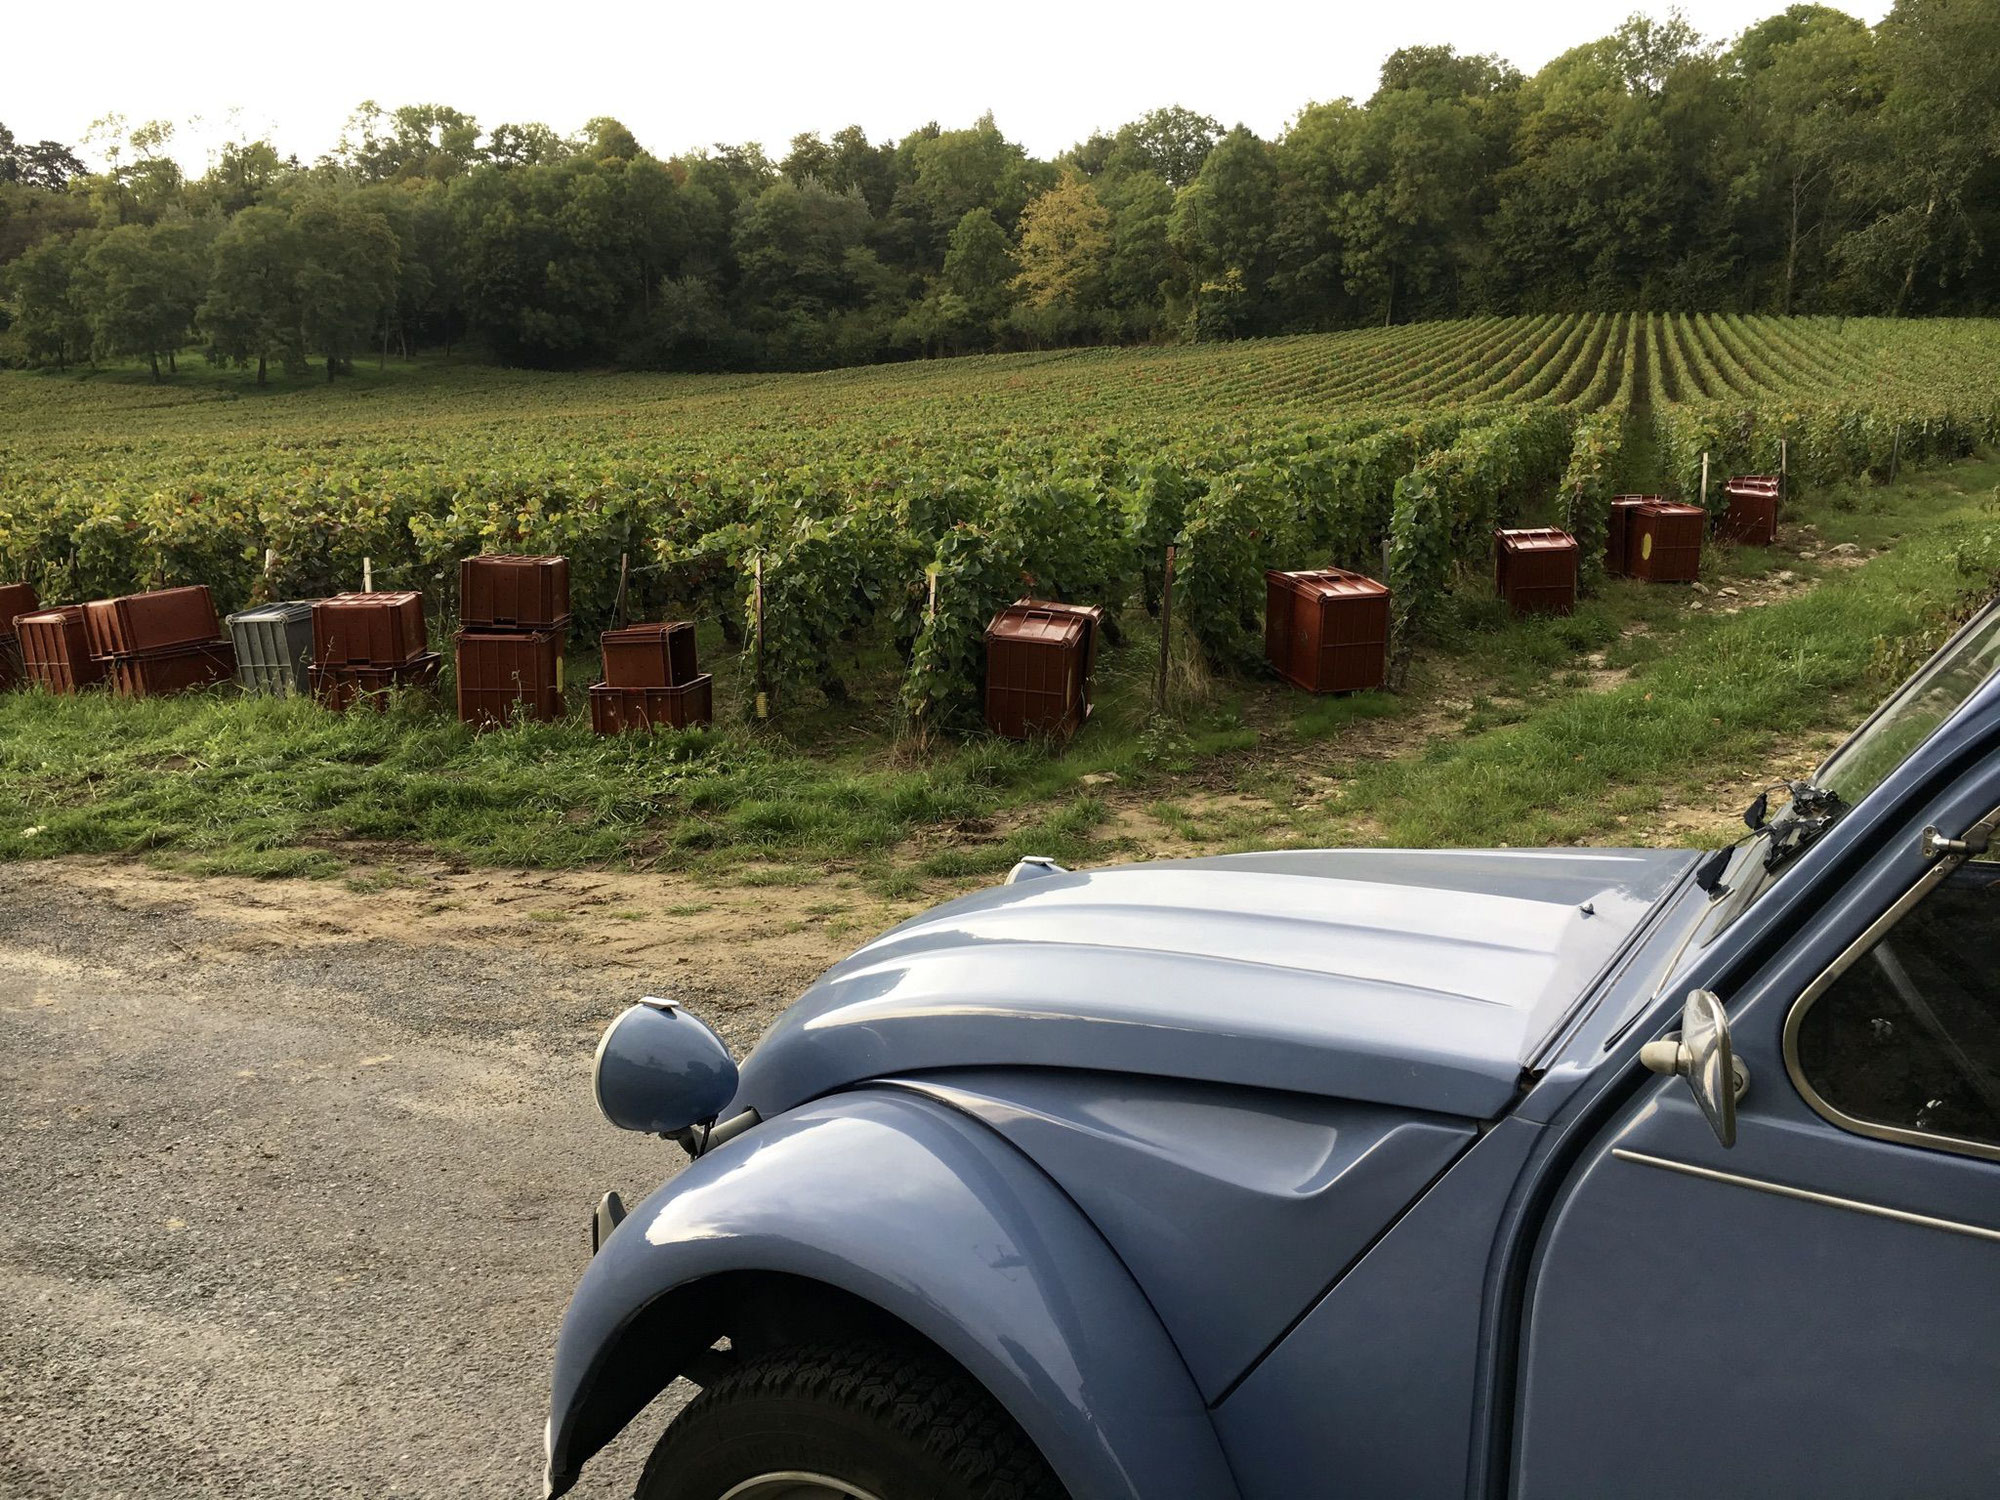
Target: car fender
937	1221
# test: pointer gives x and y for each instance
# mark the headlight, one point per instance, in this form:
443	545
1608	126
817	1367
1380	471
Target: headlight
660	1070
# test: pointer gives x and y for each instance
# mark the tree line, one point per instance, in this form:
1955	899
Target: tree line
1813	164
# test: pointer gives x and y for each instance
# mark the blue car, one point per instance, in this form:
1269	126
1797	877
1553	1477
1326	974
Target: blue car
1554	1172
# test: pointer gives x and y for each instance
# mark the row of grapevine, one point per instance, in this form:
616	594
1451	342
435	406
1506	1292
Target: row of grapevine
1765	393
1447	506
903	504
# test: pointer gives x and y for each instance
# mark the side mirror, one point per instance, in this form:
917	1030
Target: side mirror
1702	1055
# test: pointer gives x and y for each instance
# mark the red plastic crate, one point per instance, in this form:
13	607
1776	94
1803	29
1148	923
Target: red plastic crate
1618	531
1036	672
505	592
1534	570
505	673
621	710
369	630
1750	514
650	656
1663	542
343	686
55	649
1092	616
155	674
156	621
16	599
1327	630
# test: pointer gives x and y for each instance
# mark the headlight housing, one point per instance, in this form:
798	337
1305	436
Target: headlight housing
661	1070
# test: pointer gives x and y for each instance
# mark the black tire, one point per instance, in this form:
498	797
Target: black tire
898	1424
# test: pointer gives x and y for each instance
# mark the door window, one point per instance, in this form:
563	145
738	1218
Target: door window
1906	1042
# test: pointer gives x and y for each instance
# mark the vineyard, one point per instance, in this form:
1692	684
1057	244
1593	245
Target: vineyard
901	505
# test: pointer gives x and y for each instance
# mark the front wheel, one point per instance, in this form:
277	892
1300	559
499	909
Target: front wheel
867	1422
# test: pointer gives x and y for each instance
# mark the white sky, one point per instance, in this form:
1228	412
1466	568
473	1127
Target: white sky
682	75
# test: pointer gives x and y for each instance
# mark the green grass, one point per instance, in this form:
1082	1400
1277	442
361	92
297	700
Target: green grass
225	784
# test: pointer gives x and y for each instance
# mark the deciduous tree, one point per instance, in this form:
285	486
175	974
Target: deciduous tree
1065	246
51	316
142	285
253	310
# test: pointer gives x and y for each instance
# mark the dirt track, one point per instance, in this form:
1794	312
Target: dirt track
296	1177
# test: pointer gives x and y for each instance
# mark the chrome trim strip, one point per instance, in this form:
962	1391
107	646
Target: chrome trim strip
1852	954
1806	1195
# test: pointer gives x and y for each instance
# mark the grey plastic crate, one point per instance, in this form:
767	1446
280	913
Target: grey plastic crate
274	646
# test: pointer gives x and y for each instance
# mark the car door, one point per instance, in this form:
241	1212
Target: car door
1815	1311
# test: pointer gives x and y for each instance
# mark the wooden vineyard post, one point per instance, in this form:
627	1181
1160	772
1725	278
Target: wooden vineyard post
618	613
1166	628
367	576
1704	481
1784	468
1896	453
757	610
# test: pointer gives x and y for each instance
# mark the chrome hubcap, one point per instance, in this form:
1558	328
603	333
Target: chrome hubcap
795	1485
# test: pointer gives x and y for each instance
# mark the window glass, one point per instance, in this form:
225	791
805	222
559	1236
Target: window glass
1917	707
1909	1037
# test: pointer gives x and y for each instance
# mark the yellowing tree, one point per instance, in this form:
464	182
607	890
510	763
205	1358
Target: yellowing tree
1065	245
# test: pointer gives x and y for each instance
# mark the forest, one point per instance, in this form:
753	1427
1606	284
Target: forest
1813	164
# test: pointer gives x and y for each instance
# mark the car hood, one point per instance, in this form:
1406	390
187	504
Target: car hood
1421	979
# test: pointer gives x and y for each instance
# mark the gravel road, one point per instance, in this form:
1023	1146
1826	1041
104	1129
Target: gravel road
295	1179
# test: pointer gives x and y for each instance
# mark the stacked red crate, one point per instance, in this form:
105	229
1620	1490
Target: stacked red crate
1663	542
1092	616
652	680
1534	570
1038	671
366	645
56	650
165	641
1751	514
1618	531
1327	630
514	621
16	599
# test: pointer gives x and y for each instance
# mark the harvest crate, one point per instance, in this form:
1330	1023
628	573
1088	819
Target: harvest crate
177	669
504	592
1092	616
649	656
55	649
369	630
1534	570
620	710
274	647
1751	514
343	685
16	599
1663	542
1618	532
502	673
1037	662
156	621
1327	630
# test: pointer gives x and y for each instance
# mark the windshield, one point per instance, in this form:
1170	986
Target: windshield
1917	707
1864	762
